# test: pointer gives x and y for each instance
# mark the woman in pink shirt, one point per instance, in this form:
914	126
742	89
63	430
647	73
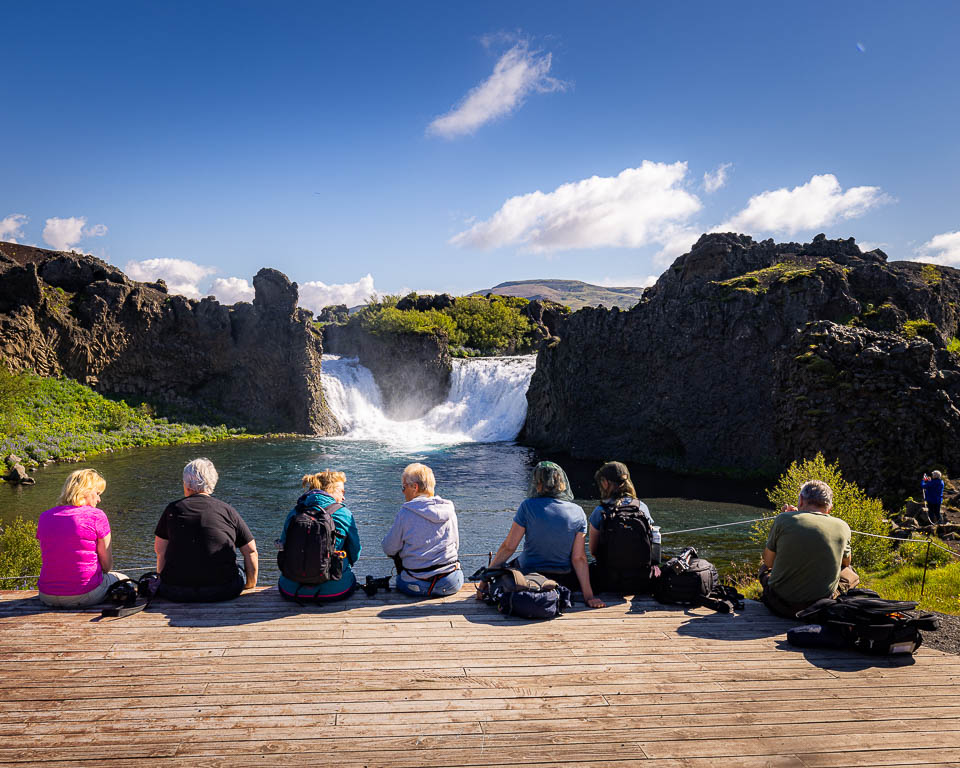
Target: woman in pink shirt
75	545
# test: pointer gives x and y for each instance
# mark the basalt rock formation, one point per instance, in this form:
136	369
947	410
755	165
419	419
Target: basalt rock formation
745	356
412	370
256	365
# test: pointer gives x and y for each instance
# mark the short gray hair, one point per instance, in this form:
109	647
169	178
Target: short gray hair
200	476
937	474
817	493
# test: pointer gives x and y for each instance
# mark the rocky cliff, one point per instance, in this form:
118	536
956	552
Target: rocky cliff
745	356
257	364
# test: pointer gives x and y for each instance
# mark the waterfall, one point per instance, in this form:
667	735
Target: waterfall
487	403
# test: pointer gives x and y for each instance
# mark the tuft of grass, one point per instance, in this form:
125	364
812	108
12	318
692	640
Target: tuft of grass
953	346
913	328
48	419
940	592
930	274
19	554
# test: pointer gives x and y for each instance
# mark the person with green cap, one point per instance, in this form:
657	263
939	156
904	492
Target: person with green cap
553	530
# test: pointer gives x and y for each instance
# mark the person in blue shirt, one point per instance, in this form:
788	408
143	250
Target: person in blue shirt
553	530
933	494
326	488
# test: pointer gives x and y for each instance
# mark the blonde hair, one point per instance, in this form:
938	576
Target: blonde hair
78	484
420	474
323	481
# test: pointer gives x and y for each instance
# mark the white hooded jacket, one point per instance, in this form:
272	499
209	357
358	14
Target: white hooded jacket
425	535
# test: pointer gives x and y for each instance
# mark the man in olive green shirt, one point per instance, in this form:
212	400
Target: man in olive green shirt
807	557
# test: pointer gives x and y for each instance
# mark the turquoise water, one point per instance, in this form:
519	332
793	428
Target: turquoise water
486	482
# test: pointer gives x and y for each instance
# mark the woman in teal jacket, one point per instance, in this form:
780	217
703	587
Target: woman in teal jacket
323	489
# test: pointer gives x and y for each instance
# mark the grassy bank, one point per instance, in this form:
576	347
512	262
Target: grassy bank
46	419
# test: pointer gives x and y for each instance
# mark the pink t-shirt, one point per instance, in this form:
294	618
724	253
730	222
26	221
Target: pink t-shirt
68	544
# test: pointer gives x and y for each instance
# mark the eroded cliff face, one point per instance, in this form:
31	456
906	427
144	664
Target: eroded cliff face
412	370
253	364
746	356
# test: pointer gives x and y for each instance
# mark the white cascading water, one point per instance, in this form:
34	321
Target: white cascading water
487	403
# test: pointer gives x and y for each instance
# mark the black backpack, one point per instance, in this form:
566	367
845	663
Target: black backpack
309	554
626	548
686	584
862	620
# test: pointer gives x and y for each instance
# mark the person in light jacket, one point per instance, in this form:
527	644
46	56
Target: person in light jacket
424	540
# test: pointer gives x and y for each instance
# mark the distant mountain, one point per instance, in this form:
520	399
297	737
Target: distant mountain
573	293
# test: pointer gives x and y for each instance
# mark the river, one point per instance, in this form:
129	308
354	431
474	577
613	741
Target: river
468	441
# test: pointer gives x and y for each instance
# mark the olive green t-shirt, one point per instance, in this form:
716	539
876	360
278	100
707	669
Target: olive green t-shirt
810	547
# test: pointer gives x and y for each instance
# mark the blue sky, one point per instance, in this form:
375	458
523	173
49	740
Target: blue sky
387	146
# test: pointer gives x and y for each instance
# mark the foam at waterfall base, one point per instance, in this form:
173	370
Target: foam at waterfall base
487	403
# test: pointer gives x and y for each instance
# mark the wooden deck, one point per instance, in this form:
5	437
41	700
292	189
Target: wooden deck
391	682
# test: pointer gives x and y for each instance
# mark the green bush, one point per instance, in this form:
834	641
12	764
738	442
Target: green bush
926	329
953	346
19	554
850	503
490	325
473	325
392	320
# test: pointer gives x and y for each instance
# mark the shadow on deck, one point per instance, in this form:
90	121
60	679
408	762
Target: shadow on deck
388	681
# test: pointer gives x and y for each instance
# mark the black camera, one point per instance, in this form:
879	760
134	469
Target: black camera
371	585
681	562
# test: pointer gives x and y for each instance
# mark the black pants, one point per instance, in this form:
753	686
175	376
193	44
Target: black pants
211	593
933	510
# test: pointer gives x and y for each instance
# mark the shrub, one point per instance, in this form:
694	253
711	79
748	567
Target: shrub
490	325
953	346
392	320
850	503
19	554
926	329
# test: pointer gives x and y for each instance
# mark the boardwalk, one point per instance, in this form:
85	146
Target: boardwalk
390	682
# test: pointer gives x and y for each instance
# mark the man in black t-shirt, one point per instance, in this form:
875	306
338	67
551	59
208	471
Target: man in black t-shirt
196	540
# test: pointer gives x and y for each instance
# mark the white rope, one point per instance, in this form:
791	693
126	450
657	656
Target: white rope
667	533
709	527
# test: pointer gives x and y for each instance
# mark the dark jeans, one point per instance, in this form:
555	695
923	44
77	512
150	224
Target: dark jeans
933	510
777	605
214	593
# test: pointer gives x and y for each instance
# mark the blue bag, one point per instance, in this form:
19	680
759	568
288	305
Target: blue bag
529	596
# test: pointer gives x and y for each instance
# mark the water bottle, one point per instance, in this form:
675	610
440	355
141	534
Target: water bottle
655	544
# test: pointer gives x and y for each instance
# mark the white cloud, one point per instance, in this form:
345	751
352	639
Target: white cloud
865	246
676	242
637	207
12	227
713	181
230	290
180	275
941	249
317	295
518	73
630	281
63	234
815	204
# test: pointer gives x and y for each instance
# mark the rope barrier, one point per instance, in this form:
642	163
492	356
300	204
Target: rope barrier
929	543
